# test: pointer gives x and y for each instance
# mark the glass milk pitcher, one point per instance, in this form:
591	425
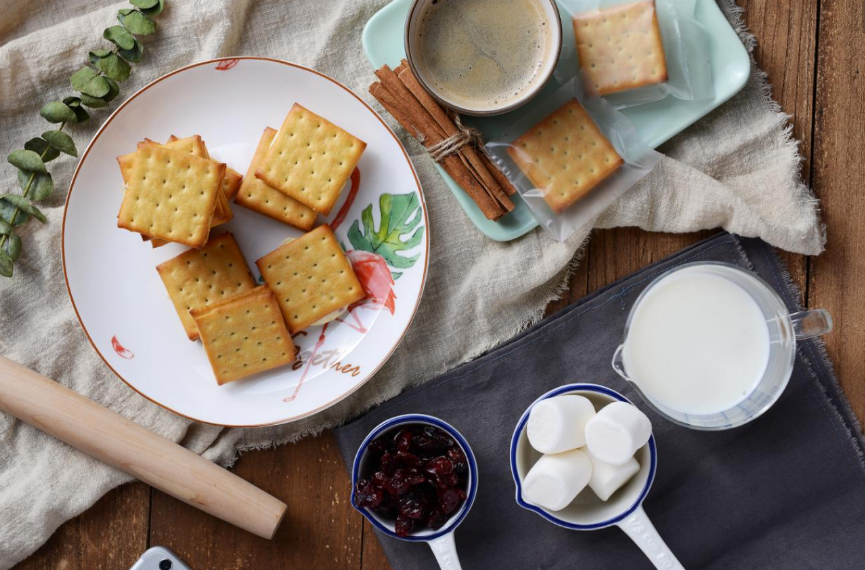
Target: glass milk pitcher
711	346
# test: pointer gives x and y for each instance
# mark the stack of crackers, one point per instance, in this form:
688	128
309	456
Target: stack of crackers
174	192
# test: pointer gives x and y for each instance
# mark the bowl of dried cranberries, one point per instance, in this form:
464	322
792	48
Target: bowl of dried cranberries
414	478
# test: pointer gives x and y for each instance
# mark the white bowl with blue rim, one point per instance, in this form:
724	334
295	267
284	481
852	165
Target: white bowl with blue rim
441	541
587	512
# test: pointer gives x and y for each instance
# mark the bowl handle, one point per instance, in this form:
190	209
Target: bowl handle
641	530
445	550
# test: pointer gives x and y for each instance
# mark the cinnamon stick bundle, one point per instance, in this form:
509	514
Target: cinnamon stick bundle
452	145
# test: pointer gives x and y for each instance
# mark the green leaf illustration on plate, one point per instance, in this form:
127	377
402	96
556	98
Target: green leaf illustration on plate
398	231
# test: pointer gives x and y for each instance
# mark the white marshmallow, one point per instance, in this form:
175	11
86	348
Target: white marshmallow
617	432
559	424
607	479
555	480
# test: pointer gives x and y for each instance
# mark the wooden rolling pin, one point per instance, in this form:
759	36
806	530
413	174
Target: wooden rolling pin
112	439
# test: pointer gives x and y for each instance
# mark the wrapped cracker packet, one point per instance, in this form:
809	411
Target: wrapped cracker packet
570	157
633	52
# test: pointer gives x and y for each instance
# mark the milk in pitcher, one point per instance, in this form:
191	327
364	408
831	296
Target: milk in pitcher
697	343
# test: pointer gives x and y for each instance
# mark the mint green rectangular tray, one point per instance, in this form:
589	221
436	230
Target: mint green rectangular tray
656	122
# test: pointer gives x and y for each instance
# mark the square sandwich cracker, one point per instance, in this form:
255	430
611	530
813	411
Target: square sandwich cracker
199	277
256	195
230	186
310	159
620	48
195	146
311	278
170	195
244	335
565	155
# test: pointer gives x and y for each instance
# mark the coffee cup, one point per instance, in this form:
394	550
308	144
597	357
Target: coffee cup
483	57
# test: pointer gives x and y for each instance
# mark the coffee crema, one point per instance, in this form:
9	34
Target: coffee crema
483	54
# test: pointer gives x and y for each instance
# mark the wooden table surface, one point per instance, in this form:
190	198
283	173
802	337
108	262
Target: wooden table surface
814	53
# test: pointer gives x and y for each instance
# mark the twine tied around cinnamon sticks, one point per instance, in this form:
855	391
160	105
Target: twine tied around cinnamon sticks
456	147
454	143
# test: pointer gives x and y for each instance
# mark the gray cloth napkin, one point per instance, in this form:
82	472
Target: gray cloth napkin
785	491
737	168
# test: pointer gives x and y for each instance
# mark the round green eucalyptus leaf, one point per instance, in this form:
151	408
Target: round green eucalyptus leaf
74	103
9	213
87	81
155	10
26	160
61	141
119	36
41	187
132	55
144	3
24	205
113	90
39	146
5	228
57	112
5	264
93	102
98	54
114	67
13	247
136	22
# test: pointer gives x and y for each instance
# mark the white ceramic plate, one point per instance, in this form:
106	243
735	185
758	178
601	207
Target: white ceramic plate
120	299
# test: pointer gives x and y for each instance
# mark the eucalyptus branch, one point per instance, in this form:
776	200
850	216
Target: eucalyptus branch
96	84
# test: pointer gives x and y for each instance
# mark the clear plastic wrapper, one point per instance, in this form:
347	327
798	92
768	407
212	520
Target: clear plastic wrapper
636	52
570	157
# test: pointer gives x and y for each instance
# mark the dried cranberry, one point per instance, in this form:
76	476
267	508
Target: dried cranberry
448	481
366	496
377	447
387	463
398	484
440	466
423	443
456	455
449	501
379	479
403	526
407	459
436	520
441	437
415	478
403	440
412	505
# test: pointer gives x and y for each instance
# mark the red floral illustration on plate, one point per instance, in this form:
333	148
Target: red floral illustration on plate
349	200
120	350
227	64
375	277
309	362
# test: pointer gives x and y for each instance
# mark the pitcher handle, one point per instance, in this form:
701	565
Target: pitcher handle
641	530
445	550
808	324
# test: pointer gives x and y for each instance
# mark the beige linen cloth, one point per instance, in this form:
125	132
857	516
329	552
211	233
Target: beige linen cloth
737	169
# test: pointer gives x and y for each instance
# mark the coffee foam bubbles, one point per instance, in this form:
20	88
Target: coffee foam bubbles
483	54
